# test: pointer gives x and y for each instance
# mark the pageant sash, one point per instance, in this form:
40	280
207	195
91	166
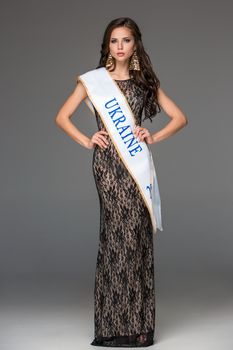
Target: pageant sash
105	95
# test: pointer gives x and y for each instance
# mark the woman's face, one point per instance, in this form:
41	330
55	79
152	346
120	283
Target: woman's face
121	40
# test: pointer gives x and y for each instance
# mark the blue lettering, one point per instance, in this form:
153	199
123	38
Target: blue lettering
106	104
136	149
131	141
123	129
119	120
112	113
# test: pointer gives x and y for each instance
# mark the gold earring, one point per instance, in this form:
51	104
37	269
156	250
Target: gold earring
109	61
134	62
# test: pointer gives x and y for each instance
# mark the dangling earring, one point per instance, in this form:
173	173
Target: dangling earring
109	61
134	62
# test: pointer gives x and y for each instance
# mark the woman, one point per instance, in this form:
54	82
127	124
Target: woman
124	282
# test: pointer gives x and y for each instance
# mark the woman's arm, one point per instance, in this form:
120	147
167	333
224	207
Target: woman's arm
66	111
178	121
178	118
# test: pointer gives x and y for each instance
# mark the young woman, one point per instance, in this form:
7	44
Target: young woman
124	281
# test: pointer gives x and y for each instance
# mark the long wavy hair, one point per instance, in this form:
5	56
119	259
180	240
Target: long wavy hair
146	77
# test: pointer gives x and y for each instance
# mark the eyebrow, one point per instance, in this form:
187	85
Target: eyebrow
126	37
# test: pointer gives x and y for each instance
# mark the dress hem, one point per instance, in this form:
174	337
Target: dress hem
124	341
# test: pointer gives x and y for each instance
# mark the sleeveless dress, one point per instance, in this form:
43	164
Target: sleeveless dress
124	292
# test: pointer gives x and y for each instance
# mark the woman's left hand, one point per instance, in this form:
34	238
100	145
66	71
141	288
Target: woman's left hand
143	134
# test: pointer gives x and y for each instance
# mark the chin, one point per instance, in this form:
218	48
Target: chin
121	58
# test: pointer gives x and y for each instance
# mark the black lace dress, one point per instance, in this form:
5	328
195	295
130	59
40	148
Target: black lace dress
124	293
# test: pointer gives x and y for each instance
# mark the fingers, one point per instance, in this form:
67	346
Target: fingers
141	133
100	140
104	142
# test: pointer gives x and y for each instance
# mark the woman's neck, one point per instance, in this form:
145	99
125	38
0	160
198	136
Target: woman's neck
121	70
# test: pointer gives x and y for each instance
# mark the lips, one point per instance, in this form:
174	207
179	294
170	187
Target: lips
120	53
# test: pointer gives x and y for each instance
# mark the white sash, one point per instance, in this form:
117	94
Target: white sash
116	114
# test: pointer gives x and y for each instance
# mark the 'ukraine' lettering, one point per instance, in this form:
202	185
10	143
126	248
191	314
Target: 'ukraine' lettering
125	131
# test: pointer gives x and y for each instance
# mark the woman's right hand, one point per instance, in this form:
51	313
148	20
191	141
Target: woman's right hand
98	139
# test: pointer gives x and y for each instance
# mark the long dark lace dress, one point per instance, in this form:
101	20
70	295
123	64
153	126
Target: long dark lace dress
124	293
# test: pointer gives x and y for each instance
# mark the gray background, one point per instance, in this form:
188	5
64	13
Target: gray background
49	202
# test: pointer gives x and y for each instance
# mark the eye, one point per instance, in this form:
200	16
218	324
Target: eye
114	40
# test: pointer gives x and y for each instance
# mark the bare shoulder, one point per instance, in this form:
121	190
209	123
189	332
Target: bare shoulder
80	90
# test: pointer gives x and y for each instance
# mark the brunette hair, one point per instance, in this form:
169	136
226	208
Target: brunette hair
146	77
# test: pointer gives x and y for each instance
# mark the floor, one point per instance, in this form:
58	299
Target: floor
191	313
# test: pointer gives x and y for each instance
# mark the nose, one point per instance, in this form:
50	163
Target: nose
120	46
